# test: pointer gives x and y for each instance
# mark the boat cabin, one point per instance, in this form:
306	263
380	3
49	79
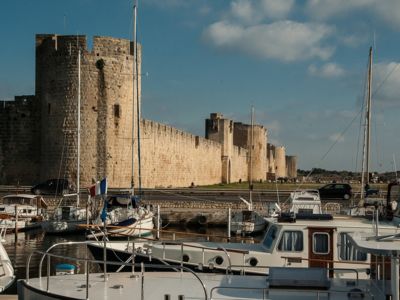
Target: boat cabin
294	243
27	205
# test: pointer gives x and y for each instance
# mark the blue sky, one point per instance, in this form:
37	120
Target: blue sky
302	64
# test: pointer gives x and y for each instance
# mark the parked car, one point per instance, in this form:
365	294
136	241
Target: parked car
52	187
335	191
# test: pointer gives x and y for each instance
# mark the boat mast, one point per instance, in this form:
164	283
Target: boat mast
369	115
367	133
251	159
138	108
133	101
78	157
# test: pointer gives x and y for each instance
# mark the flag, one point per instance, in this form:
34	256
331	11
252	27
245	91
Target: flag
103	186
100	188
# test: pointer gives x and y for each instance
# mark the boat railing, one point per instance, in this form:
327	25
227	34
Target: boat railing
356	293
87	261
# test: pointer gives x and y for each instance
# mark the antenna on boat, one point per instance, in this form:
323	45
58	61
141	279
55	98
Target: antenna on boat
394	166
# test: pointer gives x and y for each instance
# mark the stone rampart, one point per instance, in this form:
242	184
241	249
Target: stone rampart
173	158
19	136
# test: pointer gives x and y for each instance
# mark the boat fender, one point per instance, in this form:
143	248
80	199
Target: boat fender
185	257
202	220
218	260
253	261
65	269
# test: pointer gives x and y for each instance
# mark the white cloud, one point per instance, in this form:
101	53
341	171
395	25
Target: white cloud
389	11
328	70
253	12
385	10
282	40
277	9
244	11
354	40
324	9
386	82
336	137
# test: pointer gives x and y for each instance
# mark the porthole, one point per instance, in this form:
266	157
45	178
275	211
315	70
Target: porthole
253	261
185	257
219	260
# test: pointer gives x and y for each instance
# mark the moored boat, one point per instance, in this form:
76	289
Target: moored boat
287	242
179	282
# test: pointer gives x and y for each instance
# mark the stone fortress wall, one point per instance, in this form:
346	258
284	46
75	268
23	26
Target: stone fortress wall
19	136
109	105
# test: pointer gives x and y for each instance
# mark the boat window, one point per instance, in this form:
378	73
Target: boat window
320	243
291	241
270	237
347	251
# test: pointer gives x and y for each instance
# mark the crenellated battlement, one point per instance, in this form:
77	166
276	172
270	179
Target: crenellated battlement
70	44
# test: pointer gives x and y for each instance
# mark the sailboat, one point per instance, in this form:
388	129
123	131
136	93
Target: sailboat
125	217
67	218
367	195
248	221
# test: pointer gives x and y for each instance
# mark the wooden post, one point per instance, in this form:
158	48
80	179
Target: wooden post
229	224
16	223
158	222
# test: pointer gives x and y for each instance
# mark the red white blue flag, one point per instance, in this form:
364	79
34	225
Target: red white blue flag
100	188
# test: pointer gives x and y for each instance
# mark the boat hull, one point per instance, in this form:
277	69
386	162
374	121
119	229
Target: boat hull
59	227
114	255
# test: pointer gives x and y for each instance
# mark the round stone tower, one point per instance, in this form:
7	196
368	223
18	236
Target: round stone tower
107	108
220	130
242	137
291	166
280	162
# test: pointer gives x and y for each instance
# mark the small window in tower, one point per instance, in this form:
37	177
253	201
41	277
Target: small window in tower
48	108
117	111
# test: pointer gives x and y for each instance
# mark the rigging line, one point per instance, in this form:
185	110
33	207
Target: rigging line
358	149
334	143
61	158
384	80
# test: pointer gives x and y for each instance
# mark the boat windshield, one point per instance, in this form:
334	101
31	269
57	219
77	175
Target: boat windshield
270	237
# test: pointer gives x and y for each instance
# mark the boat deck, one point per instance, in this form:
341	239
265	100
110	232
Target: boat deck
178	285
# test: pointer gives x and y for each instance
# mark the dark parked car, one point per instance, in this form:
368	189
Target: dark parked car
335	191
52	187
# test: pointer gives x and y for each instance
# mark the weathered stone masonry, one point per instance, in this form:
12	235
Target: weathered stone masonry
46	124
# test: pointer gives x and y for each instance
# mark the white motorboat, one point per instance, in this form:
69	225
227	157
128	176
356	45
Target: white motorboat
25	209
305	202
247	222
7	276
282	283
288	242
